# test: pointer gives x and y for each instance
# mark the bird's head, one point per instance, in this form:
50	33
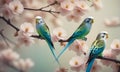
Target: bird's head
89	20
102	35
39	19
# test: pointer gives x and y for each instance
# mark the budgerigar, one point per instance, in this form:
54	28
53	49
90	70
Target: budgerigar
44	32
96	49
80	33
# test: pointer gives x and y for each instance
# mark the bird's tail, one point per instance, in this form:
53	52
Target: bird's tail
68	44
89	66
52	50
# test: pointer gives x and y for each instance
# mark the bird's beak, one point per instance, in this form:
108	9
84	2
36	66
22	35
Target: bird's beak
107	36
92	21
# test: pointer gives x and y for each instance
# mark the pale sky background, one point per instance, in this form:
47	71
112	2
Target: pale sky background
40	52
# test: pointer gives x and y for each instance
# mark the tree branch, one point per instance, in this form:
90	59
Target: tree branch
17	29
43	8
9	23
63	40
37	36
109	59
54	3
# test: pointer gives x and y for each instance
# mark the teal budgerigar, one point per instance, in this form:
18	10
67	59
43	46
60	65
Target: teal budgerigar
44	32
96	49
80	33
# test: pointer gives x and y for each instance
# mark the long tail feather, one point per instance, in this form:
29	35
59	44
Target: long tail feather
68	44
52	50
89	66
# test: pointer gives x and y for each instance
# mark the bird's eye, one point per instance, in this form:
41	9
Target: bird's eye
87	20
102	36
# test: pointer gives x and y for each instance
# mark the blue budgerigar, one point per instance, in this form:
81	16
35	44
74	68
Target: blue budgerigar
44	32
80	33
96	49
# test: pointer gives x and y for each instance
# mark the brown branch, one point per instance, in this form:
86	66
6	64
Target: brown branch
14	27
54	3
63	40
43	8
49	11
9	23
37	36
109	59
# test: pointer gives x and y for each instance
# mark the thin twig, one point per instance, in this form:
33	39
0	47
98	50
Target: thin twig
43	8
49	11
55	2
17	29
61	40
9	23
37	36
109	59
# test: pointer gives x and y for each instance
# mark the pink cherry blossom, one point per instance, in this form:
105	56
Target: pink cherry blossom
61	69
58	33
66	7
16	7
115	46
115	21
6	12
82	5
23	38
23	65
74	1
9	55
76	63
74	17
78	12
97	4
3	2
78	46
27	28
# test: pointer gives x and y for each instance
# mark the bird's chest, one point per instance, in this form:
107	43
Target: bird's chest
39	28
86	29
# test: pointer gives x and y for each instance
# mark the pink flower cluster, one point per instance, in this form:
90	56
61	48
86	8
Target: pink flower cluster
115	21
10	8
12	59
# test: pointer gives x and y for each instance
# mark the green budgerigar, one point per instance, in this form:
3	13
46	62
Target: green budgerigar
96	49
44	32
80	33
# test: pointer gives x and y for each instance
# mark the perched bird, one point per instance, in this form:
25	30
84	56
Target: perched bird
80	33
44	32
96	49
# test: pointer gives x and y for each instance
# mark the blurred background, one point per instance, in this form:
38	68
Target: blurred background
39	51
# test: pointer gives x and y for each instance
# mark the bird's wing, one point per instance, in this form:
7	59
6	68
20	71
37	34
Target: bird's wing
96	49
79	31
46	34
